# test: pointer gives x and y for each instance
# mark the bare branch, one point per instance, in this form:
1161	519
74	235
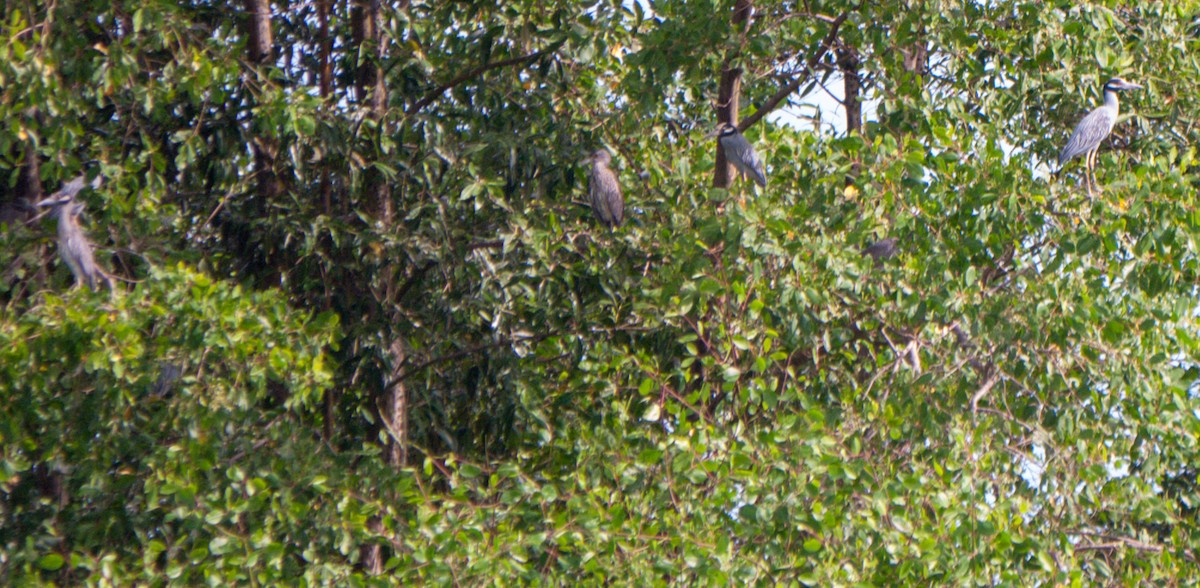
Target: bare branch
1112	542
783	93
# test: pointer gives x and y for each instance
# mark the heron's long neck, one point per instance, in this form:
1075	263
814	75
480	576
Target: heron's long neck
1110	100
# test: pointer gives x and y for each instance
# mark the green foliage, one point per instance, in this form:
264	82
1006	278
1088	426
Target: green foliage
723	391
157	472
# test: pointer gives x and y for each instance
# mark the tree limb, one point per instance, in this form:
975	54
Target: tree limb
1116	541
478	71
988	383
401	376
783	93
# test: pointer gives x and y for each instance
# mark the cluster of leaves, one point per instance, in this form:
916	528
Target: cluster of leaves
724	390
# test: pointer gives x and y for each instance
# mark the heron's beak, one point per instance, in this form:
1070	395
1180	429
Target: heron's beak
1131	86
53	202
712	134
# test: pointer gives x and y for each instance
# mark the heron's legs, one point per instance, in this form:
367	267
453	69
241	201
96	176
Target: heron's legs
1089	172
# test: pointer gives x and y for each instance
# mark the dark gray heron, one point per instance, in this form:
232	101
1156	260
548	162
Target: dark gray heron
1093	129
73	244
881	250
740	153
604	191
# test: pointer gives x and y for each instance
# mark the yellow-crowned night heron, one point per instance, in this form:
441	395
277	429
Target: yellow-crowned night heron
740	153
73	244
881	250
1092	130
604	191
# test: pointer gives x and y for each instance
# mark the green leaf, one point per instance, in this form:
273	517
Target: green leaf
51	562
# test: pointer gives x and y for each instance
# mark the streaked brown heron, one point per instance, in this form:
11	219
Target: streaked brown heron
604	190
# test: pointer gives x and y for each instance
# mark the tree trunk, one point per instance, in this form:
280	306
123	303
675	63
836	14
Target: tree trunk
17	207
848	63
325	189
730	89
29	183
260	49
365	20
372	93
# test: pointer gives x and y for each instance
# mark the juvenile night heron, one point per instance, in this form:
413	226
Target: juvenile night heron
740	153
73	244
1092	130
604	191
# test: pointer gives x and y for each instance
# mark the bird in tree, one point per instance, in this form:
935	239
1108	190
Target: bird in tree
73	244
604	191
881	250
740	153
1093	129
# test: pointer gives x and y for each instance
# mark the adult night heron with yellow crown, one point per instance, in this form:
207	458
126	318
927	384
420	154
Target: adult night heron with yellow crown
73	244
740	153
1093	129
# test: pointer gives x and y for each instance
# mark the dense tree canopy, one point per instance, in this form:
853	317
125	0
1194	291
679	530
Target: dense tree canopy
364	329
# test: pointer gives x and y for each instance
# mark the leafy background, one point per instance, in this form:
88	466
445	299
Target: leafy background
408	353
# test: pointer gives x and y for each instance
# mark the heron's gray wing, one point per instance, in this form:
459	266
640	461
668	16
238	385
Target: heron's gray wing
756	169
741	154
882	249
167	376
605	194
1088	134
616	203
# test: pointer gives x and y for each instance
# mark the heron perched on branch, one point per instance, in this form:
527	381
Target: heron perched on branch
604	191
1093	129
740	153
73	244
881	250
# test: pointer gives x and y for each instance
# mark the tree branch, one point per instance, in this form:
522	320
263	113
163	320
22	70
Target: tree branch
1116	541
400	377
988	383
783	93
465	77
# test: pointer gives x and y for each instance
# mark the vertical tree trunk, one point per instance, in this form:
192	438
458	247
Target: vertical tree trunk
398	408
324	85
29	183
372	93
17	205
260	49
730	89
365	22
848	63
